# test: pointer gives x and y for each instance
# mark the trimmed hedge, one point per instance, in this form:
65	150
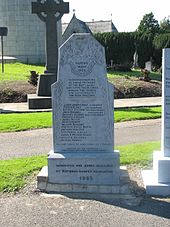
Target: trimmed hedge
120	47
162	41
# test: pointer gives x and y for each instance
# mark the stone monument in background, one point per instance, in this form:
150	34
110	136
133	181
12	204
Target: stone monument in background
157	181
83	159
49	12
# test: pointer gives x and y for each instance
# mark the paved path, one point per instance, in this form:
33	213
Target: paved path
118	103
35	142
43	211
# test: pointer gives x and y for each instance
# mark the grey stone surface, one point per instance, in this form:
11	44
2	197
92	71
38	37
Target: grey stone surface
50	12
39	102
166	103
158	181
110	191
83	101
30	47
75	26
83	118
84	168
44	84
148	65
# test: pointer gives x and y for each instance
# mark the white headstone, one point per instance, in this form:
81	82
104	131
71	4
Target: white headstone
82	100
157	181
148	65
166	103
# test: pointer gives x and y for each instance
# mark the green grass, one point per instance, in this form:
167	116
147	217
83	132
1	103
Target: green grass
26	121
19	72
133	73
137	114
14	173
140	154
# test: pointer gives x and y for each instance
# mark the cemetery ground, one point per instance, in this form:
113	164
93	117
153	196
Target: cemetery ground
18	176
14	85
16	77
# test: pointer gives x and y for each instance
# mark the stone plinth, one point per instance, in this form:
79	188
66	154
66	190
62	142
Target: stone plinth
42	99
83	168
120	192
157	181
39	102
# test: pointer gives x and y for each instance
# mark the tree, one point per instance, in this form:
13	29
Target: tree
165	25
148	25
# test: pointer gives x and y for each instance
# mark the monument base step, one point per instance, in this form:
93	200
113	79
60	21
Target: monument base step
39	102
157	181
152	186
121	192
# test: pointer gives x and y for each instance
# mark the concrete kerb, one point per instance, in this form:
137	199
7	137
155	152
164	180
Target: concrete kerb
118	104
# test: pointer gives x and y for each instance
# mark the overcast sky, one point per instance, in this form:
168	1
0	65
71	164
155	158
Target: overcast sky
126	14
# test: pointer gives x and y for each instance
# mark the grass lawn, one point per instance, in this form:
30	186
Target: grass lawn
14	172
27	121
19	71
137	114
133	73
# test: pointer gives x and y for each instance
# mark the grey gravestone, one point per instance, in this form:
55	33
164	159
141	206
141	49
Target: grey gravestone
157	181
135	59
148	65
82	98
49	12
75	26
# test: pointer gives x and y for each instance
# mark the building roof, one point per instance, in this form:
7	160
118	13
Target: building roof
94	26
102	26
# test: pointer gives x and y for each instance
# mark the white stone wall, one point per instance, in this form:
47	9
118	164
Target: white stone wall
26	32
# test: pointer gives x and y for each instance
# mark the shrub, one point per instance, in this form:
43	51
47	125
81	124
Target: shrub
33	78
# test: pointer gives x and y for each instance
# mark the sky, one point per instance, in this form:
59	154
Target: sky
125	14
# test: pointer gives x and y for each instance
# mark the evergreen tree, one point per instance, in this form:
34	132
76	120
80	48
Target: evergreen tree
165	25
148	25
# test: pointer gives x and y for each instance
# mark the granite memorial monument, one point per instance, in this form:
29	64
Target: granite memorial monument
83	159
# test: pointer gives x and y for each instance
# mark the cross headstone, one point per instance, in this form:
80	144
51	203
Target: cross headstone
83	157
157	181
50	12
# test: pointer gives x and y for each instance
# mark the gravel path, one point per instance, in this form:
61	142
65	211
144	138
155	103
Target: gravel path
36	142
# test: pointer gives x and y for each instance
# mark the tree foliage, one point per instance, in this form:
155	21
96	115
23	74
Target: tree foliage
165	25
162	41
148	25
